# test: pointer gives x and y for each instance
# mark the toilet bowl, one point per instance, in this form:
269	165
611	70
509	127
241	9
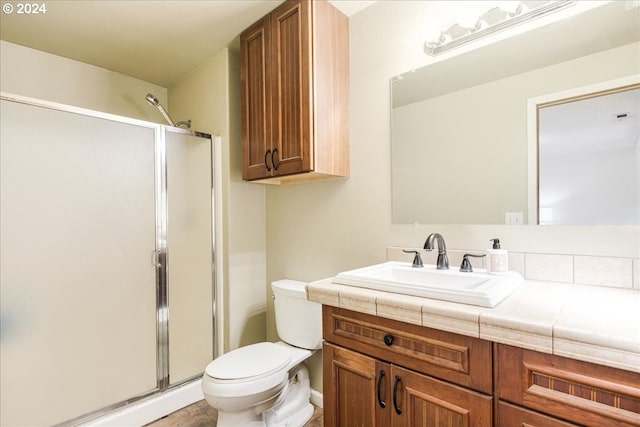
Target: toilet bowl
266	384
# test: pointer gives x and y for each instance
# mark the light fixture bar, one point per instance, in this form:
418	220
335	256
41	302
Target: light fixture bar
444	45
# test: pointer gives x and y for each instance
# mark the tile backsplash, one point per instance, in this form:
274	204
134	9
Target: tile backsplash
549	267
586	270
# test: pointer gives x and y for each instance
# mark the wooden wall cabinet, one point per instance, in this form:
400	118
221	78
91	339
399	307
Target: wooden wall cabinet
378	372
295	94
381	372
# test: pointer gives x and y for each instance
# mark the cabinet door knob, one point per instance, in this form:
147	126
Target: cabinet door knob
388	340
395	395
266	158
378	391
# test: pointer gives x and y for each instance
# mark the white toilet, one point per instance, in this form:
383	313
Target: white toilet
266	384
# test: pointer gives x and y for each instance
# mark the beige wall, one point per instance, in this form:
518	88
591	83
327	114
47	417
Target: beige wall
30	72
209	96
316	230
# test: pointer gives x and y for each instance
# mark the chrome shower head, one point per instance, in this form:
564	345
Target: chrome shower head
151	99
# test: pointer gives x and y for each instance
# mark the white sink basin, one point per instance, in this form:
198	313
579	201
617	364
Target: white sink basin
476	288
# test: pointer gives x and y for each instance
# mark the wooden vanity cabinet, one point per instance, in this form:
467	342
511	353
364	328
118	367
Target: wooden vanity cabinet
379	372
294	78
382	372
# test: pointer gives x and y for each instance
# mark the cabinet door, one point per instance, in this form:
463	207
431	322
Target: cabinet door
291	88
356	389
418	400
255	75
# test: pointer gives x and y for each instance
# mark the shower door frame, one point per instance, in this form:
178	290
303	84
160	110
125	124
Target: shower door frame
160	260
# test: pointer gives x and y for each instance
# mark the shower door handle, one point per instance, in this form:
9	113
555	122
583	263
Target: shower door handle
266	160
155	259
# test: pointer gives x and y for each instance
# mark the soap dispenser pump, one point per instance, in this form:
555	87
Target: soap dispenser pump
498	258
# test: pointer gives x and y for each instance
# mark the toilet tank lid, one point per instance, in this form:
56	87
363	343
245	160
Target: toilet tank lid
292	288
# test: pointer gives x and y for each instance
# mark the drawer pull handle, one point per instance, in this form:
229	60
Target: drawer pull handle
388	340
395	395
380	401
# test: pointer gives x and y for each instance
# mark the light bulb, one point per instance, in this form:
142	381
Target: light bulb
509	6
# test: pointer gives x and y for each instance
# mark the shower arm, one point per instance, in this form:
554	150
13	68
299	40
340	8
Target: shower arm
165	114
186	123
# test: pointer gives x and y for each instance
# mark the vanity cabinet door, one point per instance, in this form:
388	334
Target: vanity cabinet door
421	401
356	389
361	391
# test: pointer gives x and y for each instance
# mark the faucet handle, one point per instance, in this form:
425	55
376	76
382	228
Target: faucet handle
466	267
417	259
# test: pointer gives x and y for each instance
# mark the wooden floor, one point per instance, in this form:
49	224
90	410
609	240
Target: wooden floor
200	414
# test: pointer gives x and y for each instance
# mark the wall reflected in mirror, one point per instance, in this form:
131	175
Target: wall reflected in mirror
589	159
460	150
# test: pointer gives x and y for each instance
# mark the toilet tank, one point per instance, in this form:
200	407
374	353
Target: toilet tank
298	320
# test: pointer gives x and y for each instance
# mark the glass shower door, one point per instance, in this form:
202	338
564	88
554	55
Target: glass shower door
78	287
189	254
106	261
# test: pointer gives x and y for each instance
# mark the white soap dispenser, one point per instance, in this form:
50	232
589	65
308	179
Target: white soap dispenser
498	258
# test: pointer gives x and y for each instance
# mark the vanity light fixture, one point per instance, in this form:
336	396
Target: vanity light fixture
506	15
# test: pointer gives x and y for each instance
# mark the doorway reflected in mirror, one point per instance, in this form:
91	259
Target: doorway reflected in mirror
589	159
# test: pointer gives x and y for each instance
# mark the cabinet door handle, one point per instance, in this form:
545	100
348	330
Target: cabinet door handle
395	395
274	159
378	387
388	340
266	158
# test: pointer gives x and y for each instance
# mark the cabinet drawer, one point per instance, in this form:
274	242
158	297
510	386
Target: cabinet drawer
459	359
513	416
581	392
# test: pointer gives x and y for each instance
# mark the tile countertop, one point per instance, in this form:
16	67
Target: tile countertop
590	323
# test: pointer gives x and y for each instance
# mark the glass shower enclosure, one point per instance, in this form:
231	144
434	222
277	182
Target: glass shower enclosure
106	260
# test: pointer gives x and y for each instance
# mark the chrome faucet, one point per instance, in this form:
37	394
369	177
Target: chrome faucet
443	260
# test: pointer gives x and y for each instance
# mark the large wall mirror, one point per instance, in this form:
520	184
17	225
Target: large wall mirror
460	150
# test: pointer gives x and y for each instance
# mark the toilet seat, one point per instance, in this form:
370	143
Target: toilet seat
250	369
249	363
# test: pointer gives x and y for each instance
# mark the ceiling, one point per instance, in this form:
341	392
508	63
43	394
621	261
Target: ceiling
153	40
